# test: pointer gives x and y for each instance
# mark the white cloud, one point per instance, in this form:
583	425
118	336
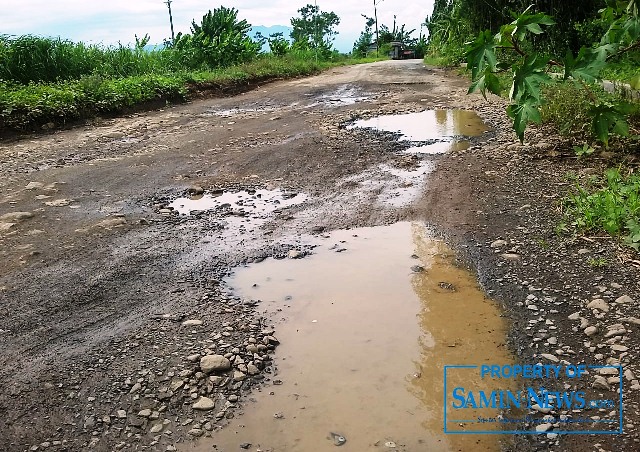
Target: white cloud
118	20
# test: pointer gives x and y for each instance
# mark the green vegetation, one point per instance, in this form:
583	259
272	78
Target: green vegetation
532	44
582	43
386	36
50	82
220	40
598	262
611	204
314	30
24	106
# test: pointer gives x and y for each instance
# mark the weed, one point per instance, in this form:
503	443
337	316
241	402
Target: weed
543	243
583	150
613	207
598	262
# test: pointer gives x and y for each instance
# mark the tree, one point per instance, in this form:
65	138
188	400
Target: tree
219	40
314	30
361	46
278	45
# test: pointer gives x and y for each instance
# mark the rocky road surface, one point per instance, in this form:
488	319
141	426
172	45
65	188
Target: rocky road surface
115	333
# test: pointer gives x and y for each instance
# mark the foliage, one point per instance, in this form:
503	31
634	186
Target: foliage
28	59
64	101
448	30
529	70
361	46
453	21
220	40
613	206
314	30
583	150
395	34
23	107
278	45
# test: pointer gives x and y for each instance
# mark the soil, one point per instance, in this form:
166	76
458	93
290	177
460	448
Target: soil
109	299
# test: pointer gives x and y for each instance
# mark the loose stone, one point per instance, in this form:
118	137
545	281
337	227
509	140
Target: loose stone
204	404
214	363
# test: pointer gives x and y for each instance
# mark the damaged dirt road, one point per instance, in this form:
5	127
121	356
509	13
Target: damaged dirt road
128	320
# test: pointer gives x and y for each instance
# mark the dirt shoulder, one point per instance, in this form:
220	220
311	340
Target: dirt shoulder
108	300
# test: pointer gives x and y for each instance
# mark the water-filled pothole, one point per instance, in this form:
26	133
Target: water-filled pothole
432	131
366	325
250	203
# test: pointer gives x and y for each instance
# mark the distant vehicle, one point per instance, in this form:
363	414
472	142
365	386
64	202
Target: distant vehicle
400	52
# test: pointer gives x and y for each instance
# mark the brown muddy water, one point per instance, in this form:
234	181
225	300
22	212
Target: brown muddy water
366	325
433	131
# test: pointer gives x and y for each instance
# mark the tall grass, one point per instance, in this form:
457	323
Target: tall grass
28	59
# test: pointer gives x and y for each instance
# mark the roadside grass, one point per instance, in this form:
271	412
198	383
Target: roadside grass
25	107
624	69
610	204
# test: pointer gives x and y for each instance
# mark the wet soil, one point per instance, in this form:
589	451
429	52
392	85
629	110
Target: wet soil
112	307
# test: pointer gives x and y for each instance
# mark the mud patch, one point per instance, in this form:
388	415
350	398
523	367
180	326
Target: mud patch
366	325
343	96
441	147
406	185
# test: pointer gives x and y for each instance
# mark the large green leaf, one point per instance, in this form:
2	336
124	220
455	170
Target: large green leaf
608	119
488	81
481	54
522	114
587	65
528	77
526	22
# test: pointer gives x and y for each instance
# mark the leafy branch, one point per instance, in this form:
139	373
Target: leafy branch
529	71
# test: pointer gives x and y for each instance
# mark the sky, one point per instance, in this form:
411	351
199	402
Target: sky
112	21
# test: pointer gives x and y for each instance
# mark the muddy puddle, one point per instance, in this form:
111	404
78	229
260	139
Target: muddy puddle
366	325
431	131
254	203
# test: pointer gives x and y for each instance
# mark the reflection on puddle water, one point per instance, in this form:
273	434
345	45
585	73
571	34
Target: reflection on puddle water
439	129
364	339
255	203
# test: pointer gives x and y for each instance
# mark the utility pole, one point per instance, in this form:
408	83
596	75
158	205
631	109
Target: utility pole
375	14
315	26
173	36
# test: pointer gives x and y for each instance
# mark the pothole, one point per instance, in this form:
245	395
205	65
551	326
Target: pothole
430	131
366	325
343	96
245	203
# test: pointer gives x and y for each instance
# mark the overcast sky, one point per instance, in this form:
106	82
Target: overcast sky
114	21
